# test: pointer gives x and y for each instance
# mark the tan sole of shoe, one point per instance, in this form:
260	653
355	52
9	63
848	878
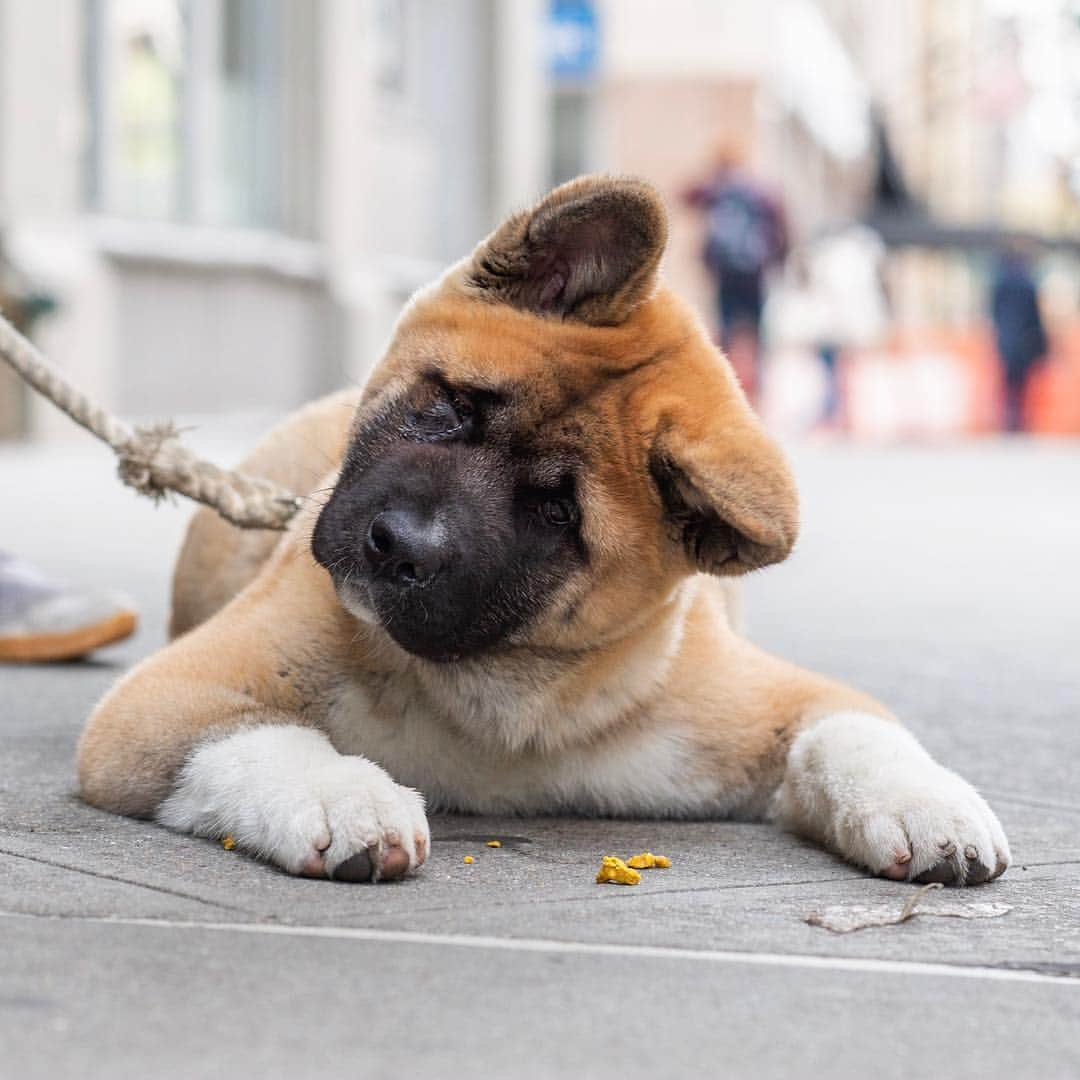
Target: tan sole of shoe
39	648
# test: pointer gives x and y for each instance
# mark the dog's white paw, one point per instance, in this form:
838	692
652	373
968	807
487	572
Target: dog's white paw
283	793
866	789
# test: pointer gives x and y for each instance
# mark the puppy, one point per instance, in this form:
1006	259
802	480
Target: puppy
513	599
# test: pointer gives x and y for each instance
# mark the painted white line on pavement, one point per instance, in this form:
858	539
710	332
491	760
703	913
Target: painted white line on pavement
582	948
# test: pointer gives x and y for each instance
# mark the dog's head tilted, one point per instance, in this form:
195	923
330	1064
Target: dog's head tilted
550	445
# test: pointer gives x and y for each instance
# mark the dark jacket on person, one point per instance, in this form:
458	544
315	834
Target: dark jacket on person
1018	326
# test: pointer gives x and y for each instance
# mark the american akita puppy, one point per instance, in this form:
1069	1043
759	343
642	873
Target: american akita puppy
512	599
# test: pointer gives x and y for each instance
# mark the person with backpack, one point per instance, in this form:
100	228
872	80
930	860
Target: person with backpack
745	235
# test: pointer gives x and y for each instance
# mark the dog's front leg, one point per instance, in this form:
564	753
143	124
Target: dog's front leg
276	787
864	787
283	793
217	735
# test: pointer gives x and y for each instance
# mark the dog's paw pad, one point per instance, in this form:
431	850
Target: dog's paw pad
368	865
358	867
313	866
955	868
897	870
394	863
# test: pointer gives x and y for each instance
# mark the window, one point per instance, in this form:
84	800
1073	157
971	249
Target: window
571	132
200	113
140	108
573	30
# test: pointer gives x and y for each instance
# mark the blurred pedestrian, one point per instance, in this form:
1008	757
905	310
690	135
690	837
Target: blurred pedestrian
831	303
745	235
847	272
1019	333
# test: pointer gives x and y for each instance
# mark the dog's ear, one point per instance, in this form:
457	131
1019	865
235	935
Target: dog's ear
728	496
589	251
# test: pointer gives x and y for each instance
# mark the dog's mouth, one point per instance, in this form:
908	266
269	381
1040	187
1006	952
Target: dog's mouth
357	598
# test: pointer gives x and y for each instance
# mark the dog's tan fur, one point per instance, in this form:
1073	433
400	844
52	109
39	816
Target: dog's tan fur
632	693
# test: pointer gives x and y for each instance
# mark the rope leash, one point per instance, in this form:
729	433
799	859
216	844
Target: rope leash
151	459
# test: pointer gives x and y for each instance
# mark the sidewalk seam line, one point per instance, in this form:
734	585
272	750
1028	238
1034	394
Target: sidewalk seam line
127	881
542	945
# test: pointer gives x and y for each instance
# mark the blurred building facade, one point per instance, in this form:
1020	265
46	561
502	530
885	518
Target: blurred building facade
231	199
980	100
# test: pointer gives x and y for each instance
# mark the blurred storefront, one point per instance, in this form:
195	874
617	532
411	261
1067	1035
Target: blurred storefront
981	103
231	199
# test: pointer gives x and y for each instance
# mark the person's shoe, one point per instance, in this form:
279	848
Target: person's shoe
43	620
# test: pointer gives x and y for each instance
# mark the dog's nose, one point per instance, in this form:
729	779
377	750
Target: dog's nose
404	547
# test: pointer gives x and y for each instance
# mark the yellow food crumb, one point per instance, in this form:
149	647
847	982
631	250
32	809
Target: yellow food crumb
617	872
228	843
468	859
494	843
647	861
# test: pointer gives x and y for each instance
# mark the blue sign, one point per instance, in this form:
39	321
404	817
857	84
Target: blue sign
573	39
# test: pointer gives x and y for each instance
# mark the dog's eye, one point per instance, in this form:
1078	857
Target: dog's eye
442	419
557	512
463	407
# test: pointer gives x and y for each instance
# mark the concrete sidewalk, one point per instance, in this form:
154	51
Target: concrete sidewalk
943	580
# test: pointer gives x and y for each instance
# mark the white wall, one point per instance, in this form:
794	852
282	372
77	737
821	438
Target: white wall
42	115
686	37
189	338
